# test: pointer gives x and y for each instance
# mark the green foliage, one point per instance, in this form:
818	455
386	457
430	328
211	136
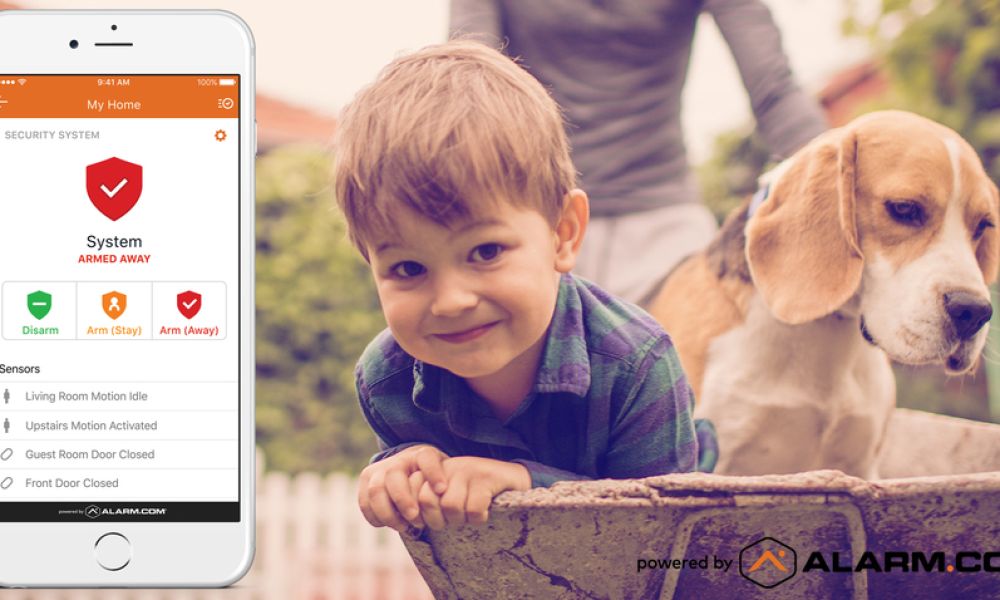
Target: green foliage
730	174
316	311
925	388
944	63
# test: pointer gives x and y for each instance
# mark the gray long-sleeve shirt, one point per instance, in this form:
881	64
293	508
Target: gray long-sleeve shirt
617	68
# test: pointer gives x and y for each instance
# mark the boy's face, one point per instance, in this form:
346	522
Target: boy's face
473	297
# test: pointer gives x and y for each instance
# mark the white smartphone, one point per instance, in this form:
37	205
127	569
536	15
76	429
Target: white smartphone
126	322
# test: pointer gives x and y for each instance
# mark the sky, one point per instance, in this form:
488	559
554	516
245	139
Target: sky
318	53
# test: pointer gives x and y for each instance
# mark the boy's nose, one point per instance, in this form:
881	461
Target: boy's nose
452	297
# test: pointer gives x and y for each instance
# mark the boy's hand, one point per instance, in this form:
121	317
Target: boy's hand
384	493
473	482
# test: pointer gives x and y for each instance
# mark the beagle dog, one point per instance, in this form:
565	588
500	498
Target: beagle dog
875	242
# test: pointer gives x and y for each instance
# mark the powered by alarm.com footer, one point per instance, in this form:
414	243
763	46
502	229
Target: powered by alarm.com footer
768	562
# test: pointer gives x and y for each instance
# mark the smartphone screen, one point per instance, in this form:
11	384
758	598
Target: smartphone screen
120	274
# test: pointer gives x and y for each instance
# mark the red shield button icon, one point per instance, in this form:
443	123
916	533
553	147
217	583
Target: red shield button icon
189	303
114	186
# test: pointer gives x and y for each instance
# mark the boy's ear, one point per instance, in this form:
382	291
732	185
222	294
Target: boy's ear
570	229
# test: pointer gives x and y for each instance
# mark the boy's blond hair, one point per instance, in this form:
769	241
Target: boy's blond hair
447	131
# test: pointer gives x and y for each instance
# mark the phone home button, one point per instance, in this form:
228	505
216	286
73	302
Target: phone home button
113	551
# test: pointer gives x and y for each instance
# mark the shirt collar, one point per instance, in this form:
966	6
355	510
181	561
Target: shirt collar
439	391
564	365
427	386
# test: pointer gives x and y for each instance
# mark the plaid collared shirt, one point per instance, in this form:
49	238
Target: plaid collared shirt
609	401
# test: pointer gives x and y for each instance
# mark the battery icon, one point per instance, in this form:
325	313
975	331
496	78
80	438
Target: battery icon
227	82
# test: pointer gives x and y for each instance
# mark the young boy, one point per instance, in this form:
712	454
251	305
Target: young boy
499	370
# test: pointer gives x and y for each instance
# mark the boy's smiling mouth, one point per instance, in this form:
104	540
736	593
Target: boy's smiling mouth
466	335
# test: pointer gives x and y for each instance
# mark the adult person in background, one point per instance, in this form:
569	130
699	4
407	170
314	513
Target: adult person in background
617	68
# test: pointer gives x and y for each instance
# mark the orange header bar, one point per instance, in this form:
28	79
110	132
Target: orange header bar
119	96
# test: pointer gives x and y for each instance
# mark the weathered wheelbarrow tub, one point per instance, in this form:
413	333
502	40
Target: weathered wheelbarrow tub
937	514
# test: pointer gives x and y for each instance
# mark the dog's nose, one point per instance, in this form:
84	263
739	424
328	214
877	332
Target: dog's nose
969	312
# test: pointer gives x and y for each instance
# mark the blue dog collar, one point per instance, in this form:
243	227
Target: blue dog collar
758	198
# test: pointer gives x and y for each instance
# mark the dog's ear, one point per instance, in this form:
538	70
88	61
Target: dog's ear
802	243
988	252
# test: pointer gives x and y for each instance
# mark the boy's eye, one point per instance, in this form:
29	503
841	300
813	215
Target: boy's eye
407	269
486	252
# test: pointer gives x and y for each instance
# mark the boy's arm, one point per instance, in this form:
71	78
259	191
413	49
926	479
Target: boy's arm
543	475
389	444
382	433
384	494
653	432
385	450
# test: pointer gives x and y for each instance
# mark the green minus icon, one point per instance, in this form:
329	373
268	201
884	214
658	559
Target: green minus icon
39	304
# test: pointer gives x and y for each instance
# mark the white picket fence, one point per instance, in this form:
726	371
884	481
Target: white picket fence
312	544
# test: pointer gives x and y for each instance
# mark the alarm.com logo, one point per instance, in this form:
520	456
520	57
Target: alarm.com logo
768	562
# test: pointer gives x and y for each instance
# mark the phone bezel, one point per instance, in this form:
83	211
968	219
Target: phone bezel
165	42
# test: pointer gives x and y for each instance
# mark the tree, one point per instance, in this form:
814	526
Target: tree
316	311
943	62
730	175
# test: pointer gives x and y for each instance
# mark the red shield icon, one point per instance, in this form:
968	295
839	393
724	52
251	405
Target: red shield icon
189	303
114	186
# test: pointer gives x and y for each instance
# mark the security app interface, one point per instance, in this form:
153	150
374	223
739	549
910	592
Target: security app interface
119	323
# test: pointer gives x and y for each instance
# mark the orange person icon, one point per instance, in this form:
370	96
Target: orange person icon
114	304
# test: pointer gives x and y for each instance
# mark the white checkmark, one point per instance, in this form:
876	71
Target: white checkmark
111	193
188	305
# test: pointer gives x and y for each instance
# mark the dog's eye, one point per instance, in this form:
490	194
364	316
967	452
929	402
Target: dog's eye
906	212
981	229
